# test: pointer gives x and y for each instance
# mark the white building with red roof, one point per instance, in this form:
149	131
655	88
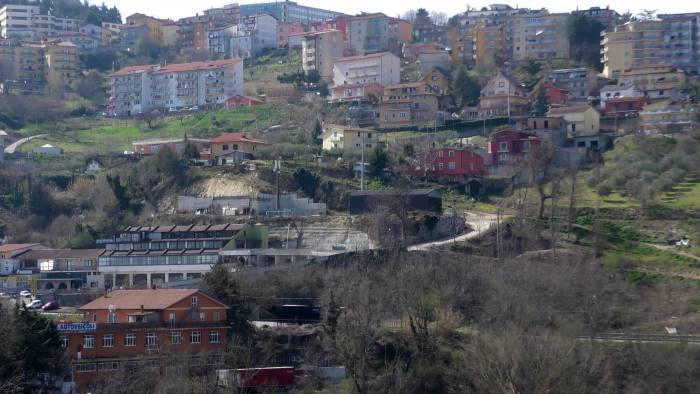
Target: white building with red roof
140	89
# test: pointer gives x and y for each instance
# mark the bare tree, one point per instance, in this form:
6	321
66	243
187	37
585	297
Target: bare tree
409	15
541	167
439	18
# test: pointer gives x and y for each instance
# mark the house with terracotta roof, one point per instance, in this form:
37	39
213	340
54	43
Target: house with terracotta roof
229	148
239	101
581	120
136	328
140	89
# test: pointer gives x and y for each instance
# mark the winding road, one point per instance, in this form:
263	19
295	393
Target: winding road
479	224
10	149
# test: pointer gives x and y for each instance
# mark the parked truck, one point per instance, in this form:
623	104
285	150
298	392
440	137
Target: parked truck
256	379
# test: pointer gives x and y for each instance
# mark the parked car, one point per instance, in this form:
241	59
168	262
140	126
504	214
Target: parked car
36	304
50	306
25	293
4	295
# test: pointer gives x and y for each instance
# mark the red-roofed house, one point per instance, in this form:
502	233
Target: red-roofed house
553	95
242	101
233	147
136	327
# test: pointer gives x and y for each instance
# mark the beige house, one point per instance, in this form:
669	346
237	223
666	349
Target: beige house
503	95
407	105
348	139
228	143
656	81
320	50
582	120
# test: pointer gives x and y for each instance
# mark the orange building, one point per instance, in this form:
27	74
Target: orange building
127	328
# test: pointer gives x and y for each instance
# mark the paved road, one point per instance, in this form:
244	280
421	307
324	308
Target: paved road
10	149
479	224
623	337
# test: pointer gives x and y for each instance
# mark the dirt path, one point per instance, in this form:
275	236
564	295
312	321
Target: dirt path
672	249
12	148
479	224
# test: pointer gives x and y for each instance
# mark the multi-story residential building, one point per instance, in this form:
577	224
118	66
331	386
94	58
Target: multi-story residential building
142	88
542	37
369	33
462	42
259	31
50	67
511	148
439	80
320	50
383	68
617	91
668	116
192	32
360	92
3	135
624	106
92	30
156	27
348	139
289	11
407	105
431	33
503	96
453	163
219	41
129	35
581	120
133	329
489	46
656	81
62	269
681	41
286	29
110	32
26	23
144	256
606	16
230	13
580	82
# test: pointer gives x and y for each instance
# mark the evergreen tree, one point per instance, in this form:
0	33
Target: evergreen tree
465	88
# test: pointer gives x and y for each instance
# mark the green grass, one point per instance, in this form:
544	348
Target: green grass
116	135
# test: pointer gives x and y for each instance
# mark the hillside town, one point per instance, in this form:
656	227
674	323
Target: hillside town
273	197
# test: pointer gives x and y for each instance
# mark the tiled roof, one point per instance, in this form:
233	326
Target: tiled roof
569	110
174	68
62	254
360	57
235	137
134	70
14	247
148	299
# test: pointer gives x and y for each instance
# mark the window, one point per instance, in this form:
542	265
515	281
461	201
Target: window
451	153
441	166
89	341
65	342
130	340
503	157
112	318
108	341
171	318
224	147
108	366
194	302
151	339
85	367
526	146
503	146
440	153
216	316
196	337
452	165
214	337
175	337
202	316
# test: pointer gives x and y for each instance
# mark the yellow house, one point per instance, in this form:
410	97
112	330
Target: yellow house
348	139
656	81
61	65
582	120
229	143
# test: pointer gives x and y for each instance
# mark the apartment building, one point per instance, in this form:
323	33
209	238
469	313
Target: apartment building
656	81
348	139
192	32
230	13
129	35
668	116
408	105
139	89
289	11
383	68
320	50
50	67
369	33
489	46
671	39
132	329
606	16
254	34
453	163
219	41
62	269
156	27
542	37
462	42
84	42
286	29
580	82
142	256
26	23
92	30
110	32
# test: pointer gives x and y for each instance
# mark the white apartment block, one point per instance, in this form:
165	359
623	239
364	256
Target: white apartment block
263	31
25	23
369	33
383	68
139	89
320	50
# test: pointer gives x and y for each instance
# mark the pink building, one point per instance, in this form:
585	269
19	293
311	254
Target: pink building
284	30
454	163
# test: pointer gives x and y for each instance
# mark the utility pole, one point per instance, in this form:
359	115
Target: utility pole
278	169
362	165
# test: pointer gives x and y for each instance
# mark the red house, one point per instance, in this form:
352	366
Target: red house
454	163
511	147
243	101
132	328
555	96
620	106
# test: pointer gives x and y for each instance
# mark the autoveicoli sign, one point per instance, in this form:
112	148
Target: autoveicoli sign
77	326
